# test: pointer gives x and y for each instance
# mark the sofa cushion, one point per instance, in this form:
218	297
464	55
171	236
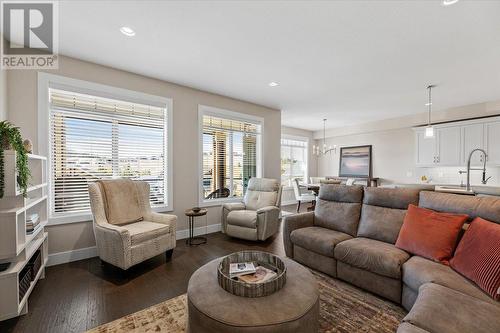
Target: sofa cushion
398	198
121	201
430	234
243	218
440	309
486	207
383	212
341	193
143	231
339	216
409	328
338	208
317	239
372	255
418	271
478	256
380	223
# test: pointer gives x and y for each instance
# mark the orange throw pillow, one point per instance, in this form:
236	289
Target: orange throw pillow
478	256
430	234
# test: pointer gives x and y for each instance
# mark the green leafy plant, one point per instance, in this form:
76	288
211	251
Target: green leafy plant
10	138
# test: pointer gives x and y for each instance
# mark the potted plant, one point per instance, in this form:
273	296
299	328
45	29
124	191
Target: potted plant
10	138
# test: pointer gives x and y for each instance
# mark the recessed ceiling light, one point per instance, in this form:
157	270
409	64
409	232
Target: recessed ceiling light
127	31
273	84
449	2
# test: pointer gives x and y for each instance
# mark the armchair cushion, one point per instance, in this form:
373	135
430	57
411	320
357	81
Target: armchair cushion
261	192
243	218
121	201
143	231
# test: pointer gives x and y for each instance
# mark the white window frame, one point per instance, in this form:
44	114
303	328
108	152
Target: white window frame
222	113
297	138
47	81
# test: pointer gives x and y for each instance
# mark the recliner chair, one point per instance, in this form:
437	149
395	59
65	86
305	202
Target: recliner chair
257	217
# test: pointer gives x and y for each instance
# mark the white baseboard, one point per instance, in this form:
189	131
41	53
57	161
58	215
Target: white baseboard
73	255
89	252
183	234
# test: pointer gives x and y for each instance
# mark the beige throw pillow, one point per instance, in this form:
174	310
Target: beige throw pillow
121	201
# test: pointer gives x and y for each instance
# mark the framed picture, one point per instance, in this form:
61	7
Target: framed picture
356	162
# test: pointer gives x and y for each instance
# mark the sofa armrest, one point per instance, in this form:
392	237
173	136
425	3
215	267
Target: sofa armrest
267	221
268	209
226	208
294	222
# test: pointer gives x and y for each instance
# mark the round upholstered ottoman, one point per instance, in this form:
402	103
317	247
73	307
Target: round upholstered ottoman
294	308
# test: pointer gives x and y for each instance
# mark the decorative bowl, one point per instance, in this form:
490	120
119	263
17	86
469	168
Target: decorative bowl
240	288
196	209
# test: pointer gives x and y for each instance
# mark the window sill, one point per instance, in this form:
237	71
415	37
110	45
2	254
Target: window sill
87	217
218	202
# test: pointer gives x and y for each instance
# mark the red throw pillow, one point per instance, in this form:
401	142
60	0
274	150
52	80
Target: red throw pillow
430	234
478	256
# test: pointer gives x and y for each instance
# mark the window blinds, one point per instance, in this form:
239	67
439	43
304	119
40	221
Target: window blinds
101	138
230	156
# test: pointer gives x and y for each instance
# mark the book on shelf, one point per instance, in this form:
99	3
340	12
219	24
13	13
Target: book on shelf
241	268
31	230
261	275
32	217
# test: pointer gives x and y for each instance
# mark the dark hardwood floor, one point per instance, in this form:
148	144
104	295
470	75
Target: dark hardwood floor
77	296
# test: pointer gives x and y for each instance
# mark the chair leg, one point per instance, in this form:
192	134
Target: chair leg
298	206
168	254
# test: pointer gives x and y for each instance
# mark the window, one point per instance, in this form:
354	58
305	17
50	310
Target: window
293	159
230	153
93	137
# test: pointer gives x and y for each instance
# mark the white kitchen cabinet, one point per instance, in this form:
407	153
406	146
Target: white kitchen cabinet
426	149
492	138
441	150
448	146
472	138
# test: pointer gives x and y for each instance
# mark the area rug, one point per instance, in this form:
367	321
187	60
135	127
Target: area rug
343	308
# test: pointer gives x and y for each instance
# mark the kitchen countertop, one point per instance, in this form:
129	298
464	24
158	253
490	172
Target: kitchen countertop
480	190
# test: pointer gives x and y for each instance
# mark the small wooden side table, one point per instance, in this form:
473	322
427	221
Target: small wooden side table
198	240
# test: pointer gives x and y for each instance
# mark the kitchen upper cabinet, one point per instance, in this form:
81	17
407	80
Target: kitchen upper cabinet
492	137
448	146
441	150
472	138
426	149
453	142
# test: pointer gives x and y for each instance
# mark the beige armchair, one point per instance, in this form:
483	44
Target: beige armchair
257	217
126	230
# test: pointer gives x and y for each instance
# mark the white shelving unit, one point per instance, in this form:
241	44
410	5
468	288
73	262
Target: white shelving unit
16	246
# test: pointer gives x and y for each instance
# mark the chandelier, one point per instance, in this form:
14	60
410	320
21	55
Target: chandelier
317	151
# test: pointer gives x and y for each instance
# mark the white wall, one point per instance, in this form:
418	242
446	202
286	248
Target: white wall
3	90
393	154
22	106
3	94
393	144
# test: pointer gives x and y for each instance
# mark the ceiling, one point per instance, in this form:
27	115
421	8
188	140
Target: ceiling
348	61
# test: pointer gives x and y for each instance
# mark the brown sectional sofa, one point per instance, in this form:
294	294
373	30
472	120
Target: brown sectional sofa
351	236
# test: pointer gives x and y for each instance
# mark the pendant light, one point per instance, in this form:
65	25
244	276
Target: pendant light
319	152
429	130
